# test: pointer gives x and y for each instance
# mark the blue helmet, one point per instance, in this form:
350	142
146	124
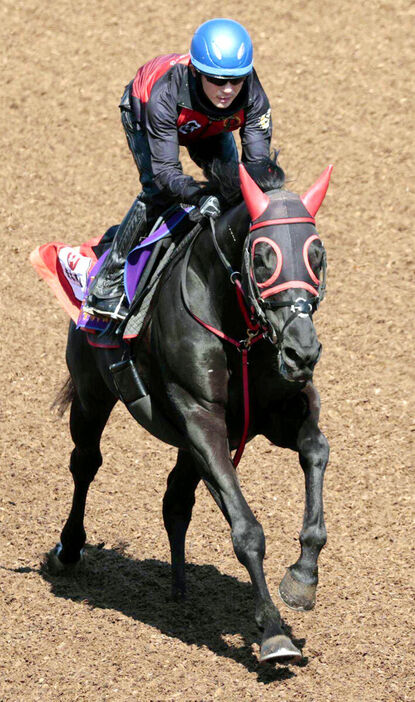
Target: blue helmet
222	48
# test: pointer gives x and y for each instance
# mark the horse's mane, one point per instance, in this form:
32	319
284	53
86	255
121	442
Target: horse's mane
223	178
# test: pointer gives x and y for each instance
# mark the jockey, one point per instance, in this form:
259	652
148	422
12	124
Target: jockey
195	100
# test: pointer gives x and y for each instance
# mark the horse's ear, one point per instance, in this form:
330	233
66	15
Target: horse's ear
313	198
255	200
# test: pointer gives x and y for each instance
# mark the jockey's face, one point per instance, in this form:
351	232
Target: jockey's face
221	96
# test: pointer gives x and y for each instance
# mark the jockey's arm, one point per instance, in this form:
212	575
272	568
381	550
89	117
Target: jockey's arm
257	130
165	154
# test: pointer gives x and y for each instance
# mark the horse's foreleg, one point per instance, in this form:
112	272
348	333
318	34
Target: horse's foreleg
86	430
178	502
211	452
298	587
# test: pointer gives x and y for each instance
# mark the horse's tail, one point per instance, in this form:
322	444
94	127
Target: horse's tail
64	397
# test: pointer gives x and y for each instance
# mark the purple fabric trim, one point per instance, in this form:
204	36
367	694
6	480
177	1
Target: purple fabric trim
133	271
138	257
97	324
85	321
97	267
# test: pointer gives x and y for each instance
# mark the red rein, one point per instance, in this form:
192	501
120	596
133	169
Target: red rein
253	335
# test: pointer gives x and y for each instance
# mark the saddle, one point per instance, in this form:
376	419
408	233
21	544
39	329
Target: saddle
142	271
69	270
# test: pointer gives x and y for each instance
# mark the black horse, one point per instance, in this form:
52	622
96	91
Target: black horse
190	359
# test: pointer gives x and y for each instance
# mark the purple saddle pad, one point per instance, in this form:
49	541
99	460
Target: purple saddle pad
137	258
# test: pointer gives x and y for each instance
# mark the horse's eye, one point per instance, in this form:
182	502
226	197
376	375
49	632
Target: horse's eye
261	273
315	257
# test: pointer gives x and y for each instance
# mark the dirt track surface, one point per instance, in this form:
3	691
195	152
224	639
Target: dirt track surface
340	78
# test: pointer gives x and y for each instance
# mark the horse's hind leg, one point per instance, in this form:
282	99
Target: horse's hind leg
87	423
178	502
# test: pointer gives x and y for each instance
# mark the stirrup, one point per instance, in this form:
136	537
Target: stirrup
106	314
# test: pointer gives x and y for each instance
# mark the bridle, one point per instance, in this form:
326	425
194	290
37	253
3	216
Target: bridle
255	304
260	301
259	206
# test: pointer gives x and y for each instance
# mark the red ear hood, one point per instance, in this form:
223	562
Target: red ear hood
315	196
255	200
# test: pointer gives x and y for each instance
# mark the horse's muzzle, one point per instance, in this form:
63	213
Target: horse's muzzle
297	365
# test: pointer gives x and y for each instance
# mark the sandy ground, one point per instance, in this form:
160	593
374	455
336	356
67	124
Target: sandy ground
340	79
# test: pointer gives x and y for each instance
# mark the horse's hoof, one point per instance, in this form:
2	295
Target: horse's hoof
296	595
55	566
279	649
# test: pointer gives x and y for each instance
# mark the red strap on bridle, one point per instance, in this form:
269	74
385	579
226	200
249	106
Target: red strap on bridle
254	334
245	385
244	347
242	306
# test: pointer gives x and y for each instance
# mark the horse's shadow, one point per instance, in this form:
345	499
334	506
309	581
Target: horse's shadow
216	604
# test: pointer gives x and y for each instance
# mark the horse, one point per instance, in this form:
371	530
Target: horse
245	288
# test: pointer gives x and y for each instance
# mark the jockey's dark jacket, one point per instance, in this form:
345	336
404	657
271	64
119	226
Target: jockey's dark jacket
168	104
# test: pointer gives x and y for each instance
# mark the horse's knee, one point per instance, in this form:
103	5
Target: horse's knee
84	465
248	541
314	449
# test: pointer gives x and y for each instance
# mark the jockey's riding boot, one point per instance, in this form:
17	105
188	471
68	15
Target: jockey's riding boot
106	297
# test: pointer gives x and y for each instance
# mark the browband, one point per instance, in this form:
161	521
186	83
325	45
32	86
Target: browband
287	220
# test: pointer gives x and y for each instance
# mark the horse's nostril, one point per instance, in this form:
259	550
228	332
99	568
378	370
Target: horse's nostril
301	359
292	355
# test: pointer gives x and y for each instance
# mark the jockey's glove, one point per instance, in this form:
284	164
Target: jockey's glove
208	206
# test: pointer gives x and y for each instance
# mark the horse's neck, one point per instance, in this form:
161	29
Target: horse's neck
209	286
231	232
